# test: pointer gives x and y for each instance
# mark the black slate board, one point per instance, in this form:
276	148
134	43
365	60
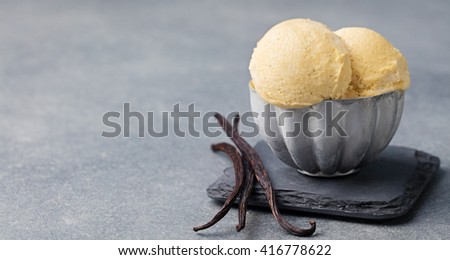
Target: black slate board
384	189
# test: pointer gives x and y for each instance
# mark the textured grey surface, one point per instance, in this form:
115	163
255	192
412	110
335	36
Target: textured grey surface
64	64
384	189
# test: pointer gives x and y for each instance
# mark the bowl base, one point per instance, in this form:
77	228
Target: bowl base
323	175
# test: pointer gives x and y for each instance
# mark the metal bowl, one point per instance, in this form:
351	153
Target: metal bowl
302	137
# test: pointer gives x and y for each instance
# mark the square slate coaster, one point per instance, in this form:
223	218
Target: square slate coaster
384	189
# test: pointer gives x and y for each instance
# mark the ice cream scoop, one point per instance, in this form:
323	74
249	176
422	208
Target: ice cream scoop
377	66
298	63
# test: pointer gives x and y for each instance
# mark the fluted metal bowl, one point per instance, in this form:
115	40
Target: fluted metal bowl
369	125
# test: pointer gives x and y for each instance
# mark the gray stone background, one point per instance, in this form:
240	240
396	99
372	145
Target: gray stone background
63	64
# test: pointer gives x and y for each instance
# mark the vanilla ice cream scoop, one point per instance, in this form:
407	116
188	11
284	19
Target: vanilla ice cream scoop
377	66
299	63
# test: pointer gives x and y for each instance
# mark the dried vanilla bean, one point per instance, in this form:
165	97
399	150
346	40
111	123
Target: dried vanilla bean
252	157
249	178
234	155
